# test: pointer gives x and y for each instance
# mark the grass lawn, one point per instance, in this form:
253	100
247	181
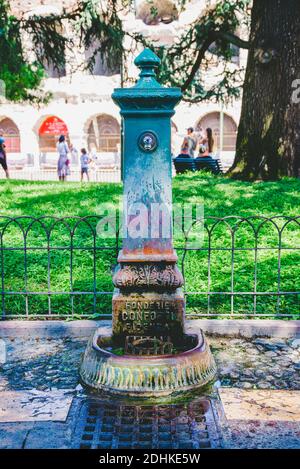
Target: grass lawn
220	196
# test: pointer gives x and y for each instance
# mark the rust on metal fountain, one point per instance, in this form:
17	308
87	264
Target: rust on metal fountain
148	354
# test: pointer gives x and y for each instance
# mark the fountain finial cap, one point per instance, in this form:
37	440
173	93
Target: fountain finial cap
147	58
147	62
147	95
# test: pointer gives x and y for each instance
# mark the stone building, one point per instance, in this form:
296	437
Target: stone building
82	108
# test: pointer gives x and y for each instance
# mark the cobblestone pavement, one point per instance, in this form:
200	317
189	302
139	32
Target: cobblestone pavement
53	364
41	364
259	363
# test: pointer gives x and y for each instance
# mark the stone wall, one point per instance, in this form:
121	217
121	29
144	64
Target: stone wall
24	6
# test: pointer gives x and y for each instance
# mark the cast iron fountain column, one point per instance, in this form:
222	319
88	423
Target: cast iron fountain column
148	353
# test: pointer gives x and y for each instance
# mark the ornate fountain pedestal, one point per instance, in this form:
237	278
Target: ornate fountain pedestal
148	354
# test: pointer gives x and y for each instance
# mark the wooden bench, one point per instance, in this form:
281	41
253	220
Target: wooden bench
213	165
183	164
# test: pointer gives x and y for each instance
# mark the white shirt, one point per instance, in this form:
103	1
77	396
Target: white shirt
62	148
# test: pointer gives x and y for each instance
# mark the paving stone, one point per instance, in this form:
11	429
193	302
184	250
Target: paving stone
13	436
34	405
246	385
295	343
266	344
248	373
261	405
263	385
271	354
269	378
57	436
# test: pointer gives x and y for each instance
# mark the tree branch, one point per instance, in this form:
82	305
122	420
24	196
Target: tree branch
232	38
229	37
197	63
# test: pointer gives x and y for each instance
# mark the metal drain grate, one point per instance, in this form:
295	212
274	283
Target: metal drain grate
104	424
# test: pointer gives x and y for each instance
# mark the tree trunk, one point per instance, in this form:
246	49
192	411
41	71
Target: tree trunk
268	142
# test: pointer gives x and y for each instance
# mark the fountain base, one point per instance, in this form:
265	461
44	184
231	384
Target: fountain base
146	375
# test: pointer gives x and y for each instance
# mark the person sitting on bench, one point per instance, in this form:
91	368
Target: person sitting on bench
206	147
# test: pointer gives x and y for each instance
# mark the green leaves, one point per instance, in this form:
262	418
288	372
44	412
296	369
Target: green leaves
97	28
51	37
210	36
19	75
22	83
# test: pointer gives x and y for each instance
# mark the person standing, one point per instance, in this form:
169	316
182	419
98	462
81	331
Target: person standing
74	155
3	160
189	144
84	161
93	157
63	161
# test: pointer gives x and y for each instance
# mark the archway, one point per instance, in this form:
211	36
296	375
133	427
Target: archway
212	120
103	134
11	133
49	131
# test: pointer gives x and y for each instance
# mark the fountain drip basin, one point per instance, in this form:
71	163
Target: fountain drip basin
147	375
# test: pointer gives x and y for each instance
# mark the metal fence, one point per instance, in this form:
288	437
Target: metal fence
58	267
32	174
